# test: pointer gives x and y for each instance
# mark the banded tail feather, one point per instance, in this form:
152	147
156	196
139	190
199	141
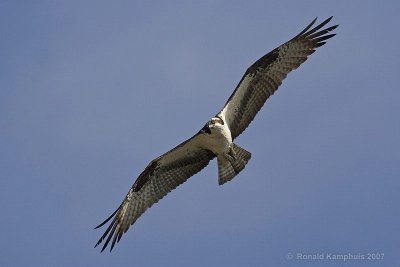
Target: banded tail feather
230	167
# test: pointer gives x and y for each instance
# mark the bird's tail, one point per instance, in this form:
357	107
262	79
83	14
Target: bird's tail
229	167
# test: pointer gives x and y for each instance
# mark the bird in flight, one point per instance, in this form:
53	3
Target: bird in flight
215	139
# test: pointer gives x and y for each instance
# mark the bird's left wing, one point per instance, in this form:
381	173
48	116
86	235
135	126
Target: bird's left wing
264	77
162	175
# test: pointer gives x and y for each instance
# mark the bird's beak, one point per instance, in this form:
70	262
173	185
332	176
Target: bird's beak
206	129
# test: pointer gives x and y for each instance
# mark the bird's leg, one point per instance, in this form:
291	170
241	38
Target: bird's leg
231	155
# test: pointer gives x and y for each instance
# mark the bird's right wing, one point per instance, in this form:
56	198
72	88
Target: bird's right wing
264	77
162	175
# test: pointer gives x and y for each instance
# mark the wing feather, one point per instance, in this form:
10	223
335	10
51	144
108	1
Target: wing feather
264	77
161	176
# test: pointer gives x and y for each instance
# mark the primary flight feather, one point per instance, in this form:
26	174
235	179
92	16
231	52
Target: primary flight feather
215	139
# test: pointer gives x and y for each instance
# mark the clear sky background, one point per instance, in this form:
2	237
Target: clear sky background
91	91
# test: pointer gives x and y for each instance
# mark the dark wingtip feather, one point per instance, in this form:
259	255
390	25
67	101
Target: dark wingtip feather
322	24
114	239
321	33
111	227
109	218
323	38
311	33
306	28
109	238
333	27
119	236
320	44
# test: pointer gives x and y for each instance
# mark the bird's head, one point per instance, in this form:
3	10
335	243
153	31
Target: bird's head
215	121
211	124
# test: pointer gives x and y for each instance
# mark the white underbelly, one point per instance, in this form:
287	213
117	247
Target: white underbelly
219	140
218	145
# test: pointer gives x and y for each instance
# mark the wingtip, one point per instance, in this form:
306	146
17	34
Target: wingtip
104	247
98	243
327	20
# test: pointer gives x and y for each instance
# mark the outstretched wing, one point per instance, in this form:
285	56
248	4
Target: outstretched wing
264	77
162	175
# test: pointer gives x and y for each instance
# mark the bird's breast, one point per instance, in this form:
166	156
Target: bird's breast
219	140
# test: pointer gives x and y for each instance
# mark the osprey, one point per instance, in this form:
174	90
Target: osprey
215	139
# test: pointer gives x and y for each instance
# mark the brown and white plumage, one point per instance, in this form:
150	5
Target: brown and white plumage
162	175
264	77
215	139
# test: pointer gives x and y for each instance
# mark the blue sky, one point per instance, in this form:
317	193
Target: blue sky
91	91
